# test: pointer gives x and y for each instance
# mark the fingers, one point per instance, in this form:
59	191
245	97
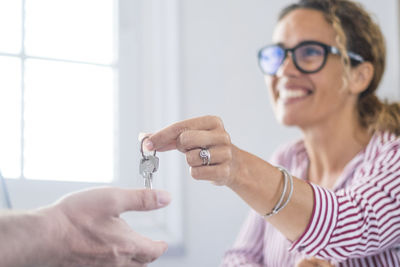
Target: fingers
192	139
219	174
167	137
143	199
306	263
313	262
218	155
139	252
146	250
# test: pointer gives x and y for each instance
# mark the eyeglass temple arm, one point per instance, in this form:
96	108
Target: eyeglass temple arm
351	55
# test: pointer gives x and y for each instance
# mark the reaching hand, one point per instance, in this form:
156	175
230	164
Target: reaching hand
193	135
91	233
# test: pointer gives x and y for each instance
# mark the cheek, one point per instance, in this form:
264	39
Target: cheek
270	82
331	78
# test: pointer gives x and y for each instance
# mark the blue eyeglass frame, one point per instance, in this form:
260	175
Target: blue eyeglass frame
327	50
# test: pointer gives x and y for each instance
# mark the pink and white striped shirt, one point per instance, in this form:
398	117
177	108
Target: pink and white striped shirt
355	224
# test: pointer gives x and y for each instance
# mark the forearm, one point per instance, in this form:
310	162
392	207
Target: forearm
256	181
260	185
25	239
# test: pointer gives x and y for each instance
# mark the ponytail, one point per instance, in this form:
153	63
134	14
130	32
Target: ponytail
376	115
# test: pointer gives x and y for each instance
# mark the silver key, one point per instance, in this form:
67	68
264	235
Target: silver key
147	166
147	176
148	181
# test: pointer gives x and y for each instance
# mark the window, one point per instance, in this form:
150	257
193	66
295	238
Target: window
58	97
78	78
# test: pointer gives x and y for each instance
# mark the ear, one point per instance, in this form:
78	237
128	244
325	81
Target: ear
361	77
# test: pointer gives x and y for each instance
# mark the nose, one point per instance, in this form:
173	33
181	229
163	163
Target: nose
288	68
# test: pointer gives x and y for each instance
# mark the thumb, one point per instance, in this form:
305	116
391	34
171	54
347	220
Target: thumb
144	199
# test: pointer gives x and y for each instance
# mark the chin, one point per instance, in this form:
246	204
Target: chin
289	121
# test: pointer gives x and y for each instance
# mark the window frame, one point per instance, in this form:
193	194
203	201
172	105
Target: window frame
148	76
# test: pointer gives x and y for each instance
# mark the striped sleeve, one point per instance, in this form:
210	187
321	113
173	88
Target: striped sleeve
247	250
362	219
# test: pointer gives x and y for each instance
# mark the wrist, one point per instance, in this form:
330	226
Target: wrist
256	181
26	239
239	169
52	236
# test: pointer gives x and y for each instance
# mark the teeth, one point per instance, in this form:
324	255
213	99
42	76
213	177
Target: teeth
286	94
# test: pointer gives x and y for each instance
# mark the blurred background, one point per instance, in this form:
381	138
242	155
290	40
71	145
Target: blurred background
79	80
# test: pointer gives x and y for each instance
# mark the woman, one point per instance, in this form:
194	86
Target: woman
338	196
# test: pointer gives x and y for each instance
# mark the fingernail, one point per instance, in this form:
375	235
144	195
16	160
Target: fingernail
148	144
163	198
166	247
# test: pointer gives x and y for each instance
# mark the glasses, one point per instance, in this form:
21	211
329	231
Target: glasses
307	56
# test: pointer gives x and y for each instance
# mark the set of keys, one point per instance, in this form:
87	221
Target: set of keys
148	166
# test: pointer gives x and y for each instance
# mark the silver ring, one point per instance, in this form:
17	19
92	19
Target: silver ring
205	156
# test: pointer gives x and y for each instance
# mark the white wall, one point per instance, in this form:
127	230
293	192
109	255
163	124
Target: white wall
219	40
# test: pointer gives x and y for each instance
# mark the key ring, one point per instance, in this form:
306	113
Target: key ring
141	148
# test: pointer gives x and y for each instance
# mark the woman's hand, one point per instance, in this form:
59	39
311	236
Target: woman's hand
313	262
189	137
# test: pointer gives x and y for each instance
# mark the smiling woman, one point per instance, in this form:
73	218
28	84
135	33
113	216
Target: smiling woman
340	180
331	98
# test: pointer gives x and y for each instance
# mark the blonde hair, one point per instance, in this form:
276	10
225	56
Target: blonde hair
358	32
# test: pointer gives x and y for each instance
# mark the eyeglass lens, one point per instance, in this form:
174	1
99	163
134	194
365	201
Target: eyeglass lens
307	58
